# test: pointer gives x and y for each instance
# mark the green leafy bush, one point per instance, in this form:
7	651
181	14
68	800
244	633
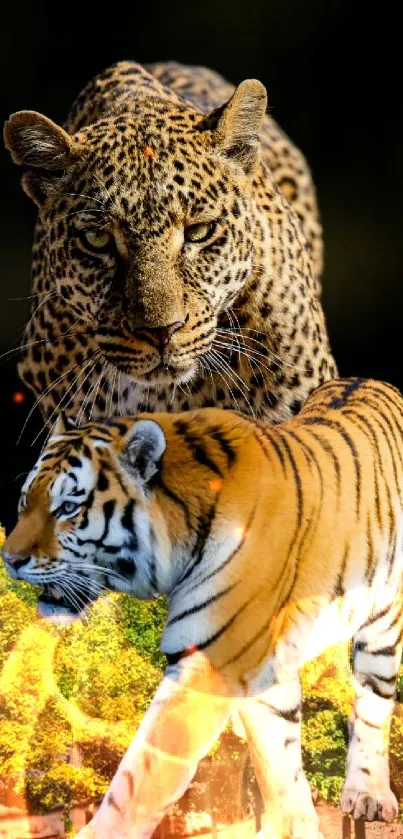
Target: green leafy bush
89	684
81	686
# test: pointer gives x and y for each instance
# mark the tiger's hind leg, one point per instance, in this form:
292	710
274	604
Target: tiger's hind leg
376	659
272	722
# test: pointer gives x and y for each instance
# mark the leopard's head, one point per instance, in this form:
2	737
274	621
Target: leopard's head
150	221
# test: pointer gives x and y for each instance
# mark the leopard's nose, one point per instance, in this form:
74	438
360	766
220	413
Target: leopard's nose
16	561
159	336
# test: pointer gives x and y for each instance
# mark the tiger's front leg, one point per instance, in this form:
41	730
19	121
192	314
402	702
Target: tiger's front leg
187	715
272	723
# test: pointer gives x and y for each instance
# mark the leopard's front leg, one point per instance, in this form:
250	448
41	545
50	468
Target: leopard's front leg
186	716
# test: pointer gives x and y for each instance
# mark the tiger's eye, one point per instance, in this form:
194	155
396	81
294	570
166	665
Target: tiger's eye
97	240
69	506
66	508
199	232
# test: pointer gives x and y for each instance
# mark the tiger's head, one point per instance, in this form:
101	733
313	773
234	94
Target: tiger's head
86	516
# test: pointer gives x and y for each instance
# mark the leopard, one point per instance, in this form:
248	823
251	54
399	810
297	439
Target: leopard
177	257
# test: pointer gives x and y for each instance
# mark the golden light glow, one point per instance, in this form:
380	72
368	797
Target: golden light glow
242	532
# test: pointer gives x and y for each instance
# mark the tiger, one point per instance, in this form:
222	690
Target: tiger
271	543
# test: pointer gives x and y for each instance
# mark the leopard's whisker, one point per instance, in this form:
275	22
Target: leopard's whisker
81	411
112	379
174	389
232	317
87	210
109	198
33	343
243	329
228	370
30	296
232	373
61	406
96	390
216	369
247	354
119	388
268	353
44	393
50	294
87	197
232	334
207	369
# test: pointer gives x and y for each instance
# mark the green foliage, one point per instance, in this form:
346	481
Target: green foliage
89	685
324	750
25	592
145	620
15	615
97	668
82	684
63	783
328	697
396	756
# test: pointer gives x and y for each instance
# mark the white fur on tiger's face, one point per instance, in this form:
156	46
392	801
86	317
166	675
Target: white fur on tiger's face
271	544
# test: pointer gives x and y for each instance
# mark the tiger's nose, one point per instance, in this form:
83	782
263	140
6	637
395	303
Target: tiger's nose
159	336
16	561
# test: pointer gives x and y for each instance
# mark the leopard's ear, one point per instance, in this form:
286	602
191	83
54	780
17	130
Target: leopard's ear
44	148
237	124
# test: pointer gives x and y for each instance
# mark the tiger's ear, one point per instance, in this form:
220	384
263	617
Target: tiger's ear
45	148
142	450
62	425
237	124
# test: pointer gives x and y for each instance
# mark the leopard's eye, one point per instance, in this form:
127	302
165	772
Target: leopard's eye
97	240
199	232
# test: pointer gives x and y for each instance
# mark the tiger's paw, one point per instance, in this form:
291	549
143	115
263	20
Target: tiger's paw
296	826
86	832
300	827
369	805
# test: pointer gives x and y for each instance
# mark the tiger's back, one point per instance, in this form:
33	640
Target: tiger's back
316	504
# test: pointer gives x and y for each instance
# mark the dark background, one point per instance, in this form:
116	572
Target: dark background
331	69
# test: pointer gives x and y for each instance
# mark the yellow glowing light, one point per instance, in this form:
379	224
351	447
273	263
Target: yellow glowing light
215	484
241	532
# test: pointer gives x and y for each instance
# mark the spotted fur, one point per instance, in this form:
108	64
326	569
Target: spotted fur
130	311
271	544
